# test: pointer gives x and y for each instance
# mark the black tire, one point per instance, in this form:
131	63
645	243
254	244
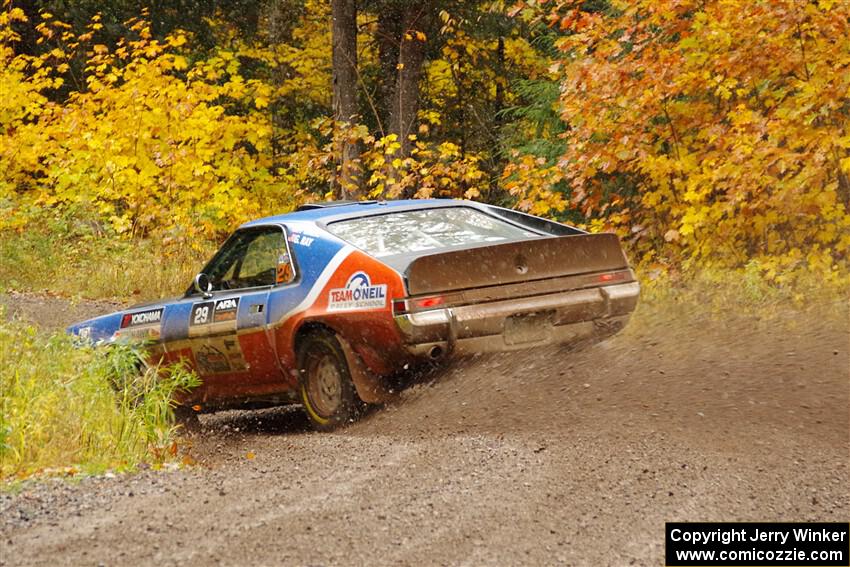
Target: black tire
327	392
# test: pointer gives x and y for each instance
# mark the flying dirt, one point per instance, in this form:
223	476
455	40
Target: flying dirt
541	457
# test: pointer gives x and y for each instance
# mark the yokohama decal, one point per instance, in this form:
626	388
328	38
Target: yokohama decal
141	325
151	317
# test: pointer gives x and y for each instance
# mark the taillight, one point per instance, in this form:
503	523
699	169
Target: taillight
613	276
401	306
428	302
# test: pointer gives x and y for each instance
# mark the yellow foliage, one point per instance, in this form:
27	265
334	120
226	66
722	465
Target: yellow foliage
151	143
433	170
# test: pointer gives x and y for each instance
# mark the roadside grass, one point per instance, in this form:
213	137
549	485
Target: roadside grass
85	263
747	291
67	408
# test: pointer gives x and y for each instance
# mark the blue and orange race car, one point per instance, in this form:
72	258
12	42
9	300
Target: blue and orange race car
326	305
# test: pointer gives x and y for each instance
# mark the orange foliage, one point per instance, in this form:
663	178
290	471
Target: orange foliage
711	131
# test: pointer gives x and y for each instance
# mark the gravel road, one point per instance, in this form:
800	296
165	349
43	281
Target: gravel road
546	457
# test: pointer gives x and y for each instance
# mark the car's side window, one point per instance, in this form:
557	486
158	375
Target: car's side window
259	266
251	258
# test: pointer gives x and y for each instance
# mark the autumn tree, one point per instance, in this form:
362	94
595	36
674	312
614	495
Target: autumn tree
396	99
345	108
709	132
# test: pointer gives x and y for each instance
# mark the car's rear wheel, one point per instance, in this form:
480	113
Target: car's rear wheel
327	392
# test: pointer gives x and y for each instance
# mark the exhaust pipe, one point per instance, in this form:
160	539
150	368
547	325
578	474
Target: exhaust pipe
436	352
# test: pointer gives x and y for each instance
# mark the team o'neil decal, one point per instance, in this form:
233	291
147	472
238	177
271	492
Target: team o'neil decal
358	293
145	324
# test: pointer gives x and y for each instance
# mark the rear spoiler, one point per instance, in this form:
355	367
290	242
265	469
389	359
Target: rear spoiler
512	262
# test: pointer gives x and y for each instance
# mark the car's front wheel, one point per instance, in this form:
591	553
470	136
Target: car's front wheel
327	392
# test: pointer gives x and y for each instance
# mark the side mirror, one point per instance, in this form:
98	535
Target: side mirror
203	285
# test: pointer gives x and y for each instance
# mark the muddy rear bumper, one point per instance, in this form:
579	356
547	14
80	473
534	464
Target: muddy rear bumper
563	317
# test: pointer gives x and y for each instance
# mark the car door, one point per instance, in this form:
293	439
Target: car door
227	328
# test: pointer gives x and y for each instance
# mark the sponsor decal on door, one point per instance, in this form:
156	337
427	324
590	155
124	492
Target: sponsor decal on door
143	325
219	355
211	317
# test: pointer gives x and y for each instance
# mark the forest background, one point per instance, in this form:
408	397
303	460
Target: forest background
712	136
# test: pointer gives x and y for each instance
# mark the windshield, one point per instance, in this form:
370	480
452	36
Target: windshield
428	229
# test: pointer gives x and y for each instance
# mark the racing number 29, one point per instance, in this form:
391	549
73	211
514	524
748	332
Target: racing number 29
201	313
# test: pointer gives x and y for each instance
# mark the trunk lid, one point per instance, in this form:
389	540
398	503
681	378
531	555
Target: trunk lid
514	262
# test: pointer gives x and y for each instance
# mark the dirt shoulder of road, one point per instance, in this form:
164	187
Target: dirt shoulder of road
52	312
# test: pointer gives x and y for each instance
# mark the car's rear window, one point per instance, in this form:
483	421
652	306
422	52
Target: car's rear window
426	229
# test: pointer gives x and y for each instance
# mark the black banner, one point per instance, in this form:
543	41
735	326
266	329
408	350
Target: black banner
743	544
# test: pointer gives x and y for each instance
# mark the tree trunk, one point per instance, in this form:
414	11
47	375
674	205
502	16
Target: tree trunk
411	56
843	180
498	160
344	33
388	37
500	85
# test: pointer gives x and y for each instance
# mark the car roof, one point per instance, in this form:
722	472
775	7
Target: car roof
354	210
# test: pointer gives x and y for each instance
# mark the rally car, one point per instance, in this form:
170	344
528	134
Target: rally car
325	305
